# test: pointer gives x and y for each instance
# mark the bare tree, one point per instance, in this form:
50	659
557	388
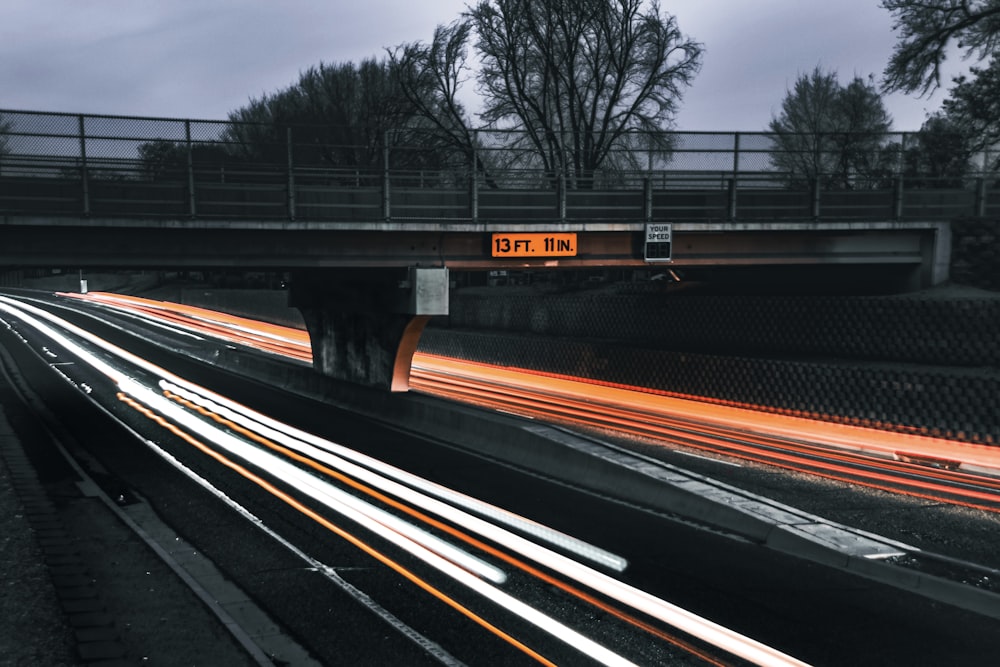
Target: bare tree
578	77
430	77
927	28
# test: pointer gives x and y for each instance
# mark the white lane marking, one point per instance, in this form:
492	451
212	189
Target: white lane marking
706	458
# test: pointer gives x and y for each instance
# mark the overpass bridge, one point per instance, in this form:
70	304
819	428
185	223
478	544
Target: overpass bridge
369	232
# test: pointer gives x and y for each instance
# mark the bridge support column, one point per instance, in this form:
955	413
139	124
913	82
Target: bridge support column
364	324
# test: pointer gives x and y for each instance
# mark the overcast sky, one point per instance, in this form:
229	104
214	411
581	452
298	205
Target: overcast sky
204	58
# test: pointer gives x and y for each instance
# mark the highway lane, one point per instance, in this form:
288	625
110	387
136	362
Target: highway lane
731	582
380	535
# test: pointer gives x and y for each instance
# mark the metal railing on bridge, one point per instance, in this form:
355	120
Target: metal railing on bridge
55	164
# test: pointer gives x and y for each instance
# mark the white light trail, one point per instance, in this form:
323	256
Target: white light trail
458	572
21	311
391	527
635	598
330	573
340	457
153	321
327	571
384	524
670	614
280	432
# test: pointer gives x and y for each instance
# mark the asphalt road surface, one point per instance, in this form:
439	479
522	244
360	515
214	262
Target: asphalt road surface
817	614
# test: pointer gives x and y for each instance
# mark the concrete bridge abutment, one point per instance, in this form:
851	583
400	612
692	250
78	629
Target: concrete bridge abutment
364	324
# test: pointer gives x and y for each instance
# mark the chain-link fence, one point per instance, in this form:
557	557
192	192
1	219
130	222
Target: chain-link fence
856	360
70	164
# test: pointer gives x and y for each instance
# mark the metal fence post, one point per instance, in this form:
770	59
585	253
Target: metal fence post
85	185
897	198
733	181
474	179
731	198
192	210
736	154
732	185
980	207
291	174
647	198
561	194
814	204
386	205
897	182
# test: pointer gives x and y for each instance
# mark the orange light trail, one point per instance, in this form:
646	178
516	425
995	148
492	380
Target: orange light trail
706	426
725	429
735	418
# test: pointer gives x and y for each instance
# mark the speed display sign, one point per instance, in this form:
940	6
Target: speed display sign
659	239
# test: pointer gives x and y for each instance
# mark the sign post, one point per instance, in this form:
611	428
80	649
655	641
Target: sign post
659	238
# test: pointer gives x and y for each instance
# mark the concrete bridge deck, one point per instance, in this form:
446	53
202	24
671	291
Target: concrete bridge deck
106	191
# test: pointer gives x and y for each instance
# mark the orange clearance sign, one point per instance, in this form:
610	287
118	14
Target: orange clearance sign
533	245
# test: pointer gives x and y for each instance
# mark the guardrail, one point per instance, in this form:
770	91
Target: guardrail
106	166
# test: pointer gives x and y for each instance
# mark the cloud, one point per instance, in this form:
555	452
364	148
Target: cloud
205	58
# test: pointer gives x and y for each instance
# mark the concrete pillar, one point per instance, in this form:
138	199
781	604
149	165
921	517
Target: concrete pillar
364	324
